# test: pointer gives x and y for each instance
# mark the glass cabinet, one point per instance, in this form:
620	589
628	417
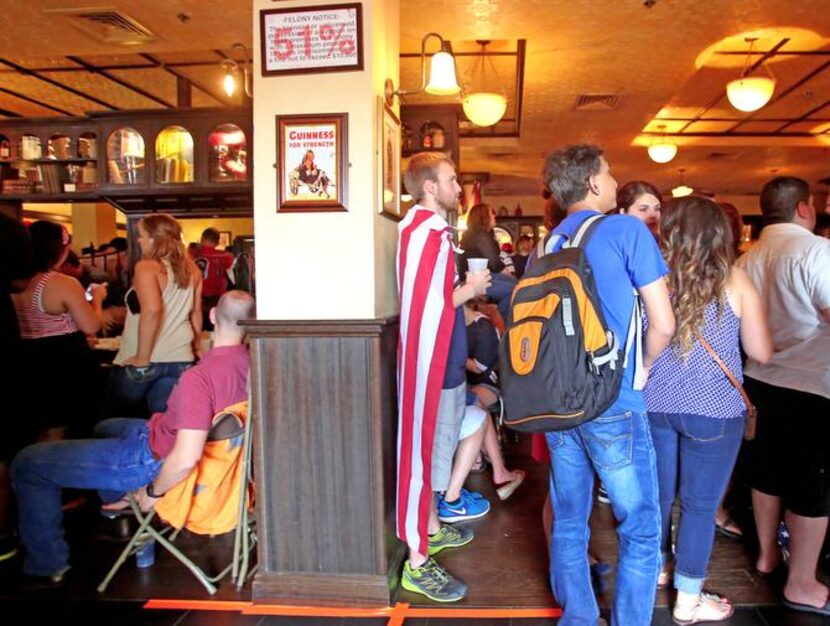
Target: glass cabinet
174	155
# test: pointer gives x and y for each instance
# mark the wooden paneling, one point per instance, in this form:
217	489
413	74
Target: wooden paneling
325	419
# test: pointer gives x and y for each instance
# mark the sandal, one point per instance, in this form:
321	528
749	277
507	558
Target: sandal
505	490
729	528
708	608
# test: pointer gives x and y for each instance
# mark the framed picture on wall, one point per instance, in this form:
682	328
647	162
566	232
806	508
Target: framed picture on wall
312	162
225	238
304	40
390	162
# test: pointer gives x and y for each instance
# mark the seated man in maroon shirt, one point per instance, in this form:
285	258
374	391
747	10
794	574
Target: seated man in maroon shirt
214	265
131	455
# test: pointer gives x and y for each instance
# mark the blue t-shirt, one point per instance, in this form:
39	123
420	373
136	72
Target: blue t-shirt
623	254
456	373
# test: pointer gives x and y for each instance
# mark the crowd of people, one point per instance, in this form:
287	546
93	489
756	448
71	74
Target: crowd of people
162	389
713	321
678	422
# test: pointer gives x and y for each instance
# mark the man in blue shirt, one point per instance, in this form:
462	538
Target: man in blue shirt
617	445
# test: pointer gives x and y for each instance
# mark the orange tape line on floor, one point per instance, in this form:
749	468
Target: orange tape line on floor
482	613
316	611
197	605
399	614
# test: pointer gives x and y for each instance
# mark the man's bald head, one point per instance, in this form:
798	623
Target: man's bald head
233	307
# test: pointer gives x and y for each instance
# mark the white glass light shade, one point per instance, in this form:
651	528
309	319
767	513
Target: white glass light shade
662	151
484	109
229	83
750	94
681	191
442	80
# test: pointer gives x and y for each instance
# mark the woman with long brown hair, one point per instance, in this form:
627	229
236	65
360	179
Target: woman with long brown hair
697	416
164	317
479	242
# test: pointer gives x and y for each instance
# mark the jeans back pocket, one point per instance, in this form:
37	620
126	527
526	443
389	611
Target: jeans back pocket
609	440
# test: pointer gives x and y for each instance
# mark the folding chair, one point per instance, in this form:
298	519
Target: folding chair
213	499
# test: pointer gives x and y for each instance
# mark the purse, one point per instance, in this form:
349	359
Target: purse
751	411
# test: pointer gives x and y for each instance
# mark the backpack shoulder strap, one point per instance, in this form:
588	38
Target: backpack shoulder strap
585	231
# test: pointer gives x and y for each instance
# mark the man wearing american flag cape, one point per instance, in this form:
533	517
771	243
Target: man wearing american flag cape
431	387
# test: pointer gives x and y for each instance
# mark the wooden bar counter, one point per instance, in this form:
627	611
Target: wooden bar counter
324	411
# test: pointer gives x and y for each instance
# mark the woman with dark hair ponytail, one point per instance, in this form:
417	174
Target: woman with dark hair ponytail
55	317
697	415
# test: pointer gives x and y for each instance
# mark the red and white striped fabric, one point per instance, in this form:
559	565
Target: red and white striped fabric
426	270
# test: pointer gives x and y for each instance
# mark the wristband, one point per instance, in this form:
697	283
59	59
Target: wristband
151	493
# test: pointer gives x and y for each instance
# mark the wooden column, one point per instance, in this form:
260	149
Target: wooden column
325	432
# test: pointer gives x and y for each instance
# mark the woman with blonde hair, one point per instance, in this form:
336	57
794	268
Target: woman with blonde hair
164	317
697	415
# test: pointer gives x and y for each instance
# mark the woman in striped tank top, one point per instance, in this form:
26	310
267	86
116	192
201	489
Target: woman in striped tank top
54	316
164	318
697	416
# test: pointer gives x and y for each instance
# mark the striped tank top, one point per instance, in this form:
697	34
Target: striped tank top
35	322
696	385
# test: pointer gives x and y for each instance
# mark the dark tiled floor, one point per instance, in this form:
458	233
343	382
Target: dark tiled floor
506	566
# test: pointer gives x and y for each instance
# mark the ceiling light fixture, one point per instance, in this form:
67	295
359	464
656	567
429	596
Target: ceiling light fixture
682	189
750	93
442	80
661	149
231	67
484	108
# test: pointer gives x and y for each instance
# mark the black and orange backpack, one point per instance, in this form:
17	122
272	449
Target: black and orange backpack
561	365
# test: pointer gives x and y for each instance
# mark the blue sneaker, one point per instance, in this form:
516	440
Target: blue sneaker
473	495
470	506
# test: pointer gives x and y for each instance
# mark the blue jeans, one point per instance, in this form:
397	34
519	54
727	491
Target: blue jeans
129	384
619	449
500	290
695	458
120	461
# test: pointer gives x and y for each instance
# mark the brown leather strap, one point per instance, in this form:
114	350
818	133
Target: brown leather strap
735	382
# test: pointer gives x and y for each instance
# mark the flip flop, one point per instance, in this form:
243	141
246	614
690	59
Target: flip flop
505	490
724	529
807	608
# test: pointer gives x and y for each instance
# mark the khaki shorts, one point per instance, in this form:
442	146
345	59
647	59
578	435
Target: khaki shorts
447	433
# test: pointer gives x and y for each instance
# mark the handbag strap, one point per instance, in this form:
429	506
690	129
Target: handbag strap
735	382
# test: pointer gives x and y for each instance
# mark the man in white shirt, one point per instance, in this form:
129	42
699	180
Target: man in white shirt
790	266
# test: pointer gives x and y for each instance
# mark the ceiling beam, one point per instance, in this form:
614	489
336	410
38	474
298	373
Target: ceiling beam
54	83
37	102
119	81
8	113
121	66
198	85
803	117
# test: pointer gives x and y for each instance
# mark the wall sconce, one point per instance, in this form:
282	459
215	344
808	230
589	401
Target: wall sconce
662	150
231	67
442	80
750	93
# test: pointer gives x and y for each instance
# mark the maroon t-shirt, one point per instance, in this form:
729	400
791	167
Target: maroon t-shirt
219	380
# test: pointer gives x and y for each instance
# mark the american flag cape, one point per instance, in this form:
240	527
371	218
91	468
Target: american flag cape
426	269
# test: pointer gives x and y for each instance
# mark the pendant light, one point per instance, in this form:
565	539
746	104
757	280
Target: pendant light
661	149
750	93
682	189
484	108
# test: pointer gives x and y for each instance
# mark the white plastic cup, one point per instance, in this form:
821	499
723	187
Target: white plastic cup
476	265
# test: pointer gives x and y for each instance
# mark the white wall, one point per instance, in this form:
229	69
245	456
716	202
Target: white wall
325	265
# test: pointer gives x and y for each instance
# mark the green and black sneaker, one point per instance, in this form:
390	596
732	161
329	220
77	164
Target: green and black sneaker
433	581
449	537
